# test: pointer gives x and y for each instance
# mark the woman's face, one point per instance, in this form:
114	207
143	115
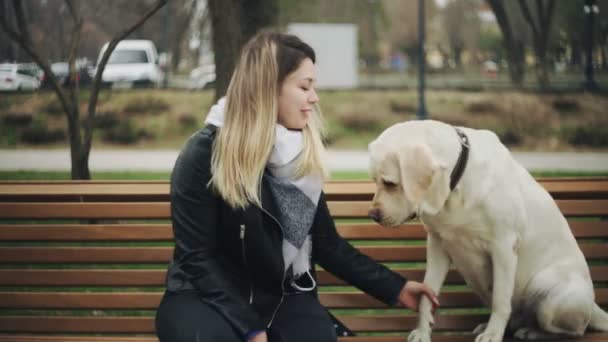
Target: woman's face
298	96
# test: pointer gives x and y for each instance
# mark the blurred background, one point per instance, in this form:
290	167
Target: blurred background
81	76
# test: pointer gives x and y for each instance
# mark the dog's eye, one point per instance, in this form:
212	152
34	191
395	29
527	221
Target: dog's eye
388	184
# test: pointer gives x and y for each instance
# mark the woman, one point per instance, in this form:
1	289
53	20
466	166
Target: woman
249	214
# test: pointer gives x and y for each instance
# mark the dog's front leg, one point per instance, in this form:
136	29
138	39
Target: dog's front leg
437	267
504	265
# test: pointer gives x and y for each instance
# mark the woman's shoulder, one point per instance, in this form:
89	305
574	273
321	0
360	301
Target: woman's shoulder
198	148
201	140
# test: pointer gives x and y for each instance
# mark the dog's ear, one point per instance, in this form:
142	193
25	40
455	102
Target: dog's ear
425	180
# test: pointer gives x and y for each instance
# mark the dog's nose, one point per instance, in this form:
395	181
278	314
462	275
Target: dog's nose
375	214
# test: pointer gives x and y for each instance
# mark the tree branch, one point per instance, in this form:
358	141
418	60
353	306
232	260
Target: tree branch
23	38
72	10
549	18
102	64
74	87
528	16
14	35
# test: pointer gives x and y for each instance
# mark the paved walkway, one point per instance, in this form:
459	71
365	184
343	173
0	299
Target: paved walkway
339	160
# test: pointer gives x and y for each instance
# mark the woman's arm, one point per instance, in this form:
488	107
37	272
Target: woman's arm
340	258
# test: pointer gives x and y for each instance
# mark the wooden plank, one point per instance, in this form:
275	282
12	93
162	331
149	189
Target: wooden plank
104	210
68	324
121	325
598	274
466	337
164	232
415	231
82	277
156	278
573	187
359	209
86	232
80	338
46	255
151	300
161	210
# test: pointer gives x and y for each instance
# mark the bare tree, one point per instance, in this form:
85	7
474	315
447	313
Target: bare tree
80	142
462	27
540	24
233	22
513	44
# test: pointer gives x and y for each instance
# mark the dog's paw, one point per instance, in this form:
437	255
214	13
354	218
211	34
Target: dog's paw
531	334
489	336
480	328
419	335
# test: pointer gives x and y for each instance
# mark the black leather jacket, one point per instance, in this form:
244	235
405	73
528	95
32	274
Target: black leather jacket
233	257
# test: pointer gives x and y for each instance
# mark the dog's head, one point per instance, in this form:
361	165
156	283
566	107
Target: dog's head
409	180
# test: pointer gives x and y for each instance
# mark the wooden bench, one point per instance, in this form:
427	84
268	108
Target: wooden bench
86	261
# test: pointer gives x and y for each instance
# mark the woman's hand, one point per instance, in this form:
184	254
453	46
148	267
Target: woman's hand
411	292
261	337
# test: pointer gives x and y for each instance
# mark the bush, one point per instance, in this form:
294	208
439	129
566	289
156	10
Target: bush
360	122
106	120
397	107
484	106
53	107
186	120
594	135
40	134
18	119
565	105
146	105
509	136
123	133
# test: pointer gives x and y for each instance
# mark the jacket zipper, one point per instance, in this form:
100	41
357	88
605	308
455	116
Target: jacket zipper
243	228
284	271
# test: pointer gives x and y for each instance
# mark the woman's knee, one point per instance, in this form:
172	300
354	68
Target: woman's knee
184	317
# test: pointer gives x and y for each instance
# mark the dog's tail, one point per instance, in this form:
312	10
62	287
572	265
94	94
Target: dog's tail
599	319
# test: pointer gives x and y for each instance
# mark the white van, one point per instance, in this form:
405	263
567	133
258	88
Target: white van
133	63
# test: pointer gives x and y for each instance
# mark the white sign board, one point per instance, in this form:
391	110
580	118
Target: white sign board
336	50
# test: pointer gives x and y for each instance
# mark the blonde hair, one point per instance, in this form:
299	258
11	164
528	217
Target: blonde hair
244	142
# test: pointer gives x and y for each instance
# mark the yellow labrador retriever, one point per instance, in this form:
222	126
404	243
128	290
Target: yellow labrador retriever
488	216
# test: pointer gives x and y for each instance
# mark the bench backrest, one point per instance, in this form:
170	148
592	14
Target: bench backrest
90	257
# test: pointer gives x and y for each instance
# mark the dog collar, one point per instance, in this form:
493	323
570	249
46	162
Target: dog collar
461	163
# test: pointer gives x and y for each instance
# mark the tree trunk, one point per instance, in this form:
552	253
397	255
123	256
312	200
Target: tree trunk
457	51
514	47
542	70
227	38
541	27
258	14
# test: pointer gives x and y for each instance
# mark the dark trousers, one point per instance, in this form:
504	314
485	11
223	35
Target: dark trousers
183	317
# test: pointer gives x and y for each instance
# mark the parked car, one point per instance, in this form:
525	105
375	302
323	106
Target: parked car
133	63
18	77
62	73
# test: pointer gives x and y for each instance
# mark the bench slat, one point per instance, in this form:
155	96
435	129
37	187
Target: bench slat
163	232
359	209
100	277
589	337
161	210
574	187
71	324
151	300
86	232
47	255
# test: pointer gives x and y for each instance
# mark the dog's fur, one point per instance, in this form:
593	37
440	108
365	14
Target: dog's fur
499	227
